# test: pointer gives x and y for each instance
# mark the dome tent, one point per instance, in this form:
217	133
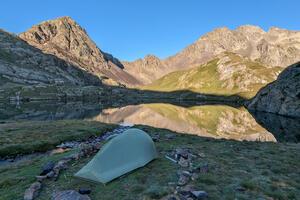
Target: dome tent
132	149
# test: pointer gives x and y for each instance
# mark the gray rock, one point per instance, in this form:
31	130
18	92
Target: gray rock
199	194
155	138
33	191
41	178
183	162
69	195
182	153
84	191
183	180
47	168
62	164
51	174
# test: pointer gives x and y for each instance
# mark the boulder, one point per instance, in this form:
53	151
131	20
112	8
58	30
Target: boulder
47	168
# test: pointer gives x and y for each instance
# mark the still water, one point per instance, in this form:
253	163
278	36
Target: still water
216	121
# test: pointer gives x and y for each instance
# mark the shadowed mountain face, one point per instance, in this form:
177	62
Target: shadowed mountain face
277	47
210	121
64	38
281	96
21	63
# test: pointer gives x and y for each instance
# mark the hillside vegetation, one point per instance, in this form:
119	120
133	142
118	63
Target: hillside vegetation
229	74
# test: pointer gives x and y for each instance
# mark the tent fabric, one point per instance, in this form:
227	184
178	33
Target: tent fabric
128	151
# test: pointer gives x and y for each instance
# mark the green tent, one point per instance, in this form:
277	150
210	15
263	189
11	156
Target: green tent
128	151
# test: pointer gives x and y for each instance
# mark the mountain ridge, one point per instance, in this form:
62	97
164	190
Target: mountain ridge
275	47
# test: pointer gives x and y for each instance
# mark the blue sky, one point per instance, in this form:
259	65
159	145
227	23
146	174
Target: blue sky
130	29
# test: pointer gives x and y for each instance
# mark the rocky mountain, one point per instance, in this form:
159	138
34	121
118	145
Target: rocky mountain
23	64
147	69
227	74
65	39
281	96
276	47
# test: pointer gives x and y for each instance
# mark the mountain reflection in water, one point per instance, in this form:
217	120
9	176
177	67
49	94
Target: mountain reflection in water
217	121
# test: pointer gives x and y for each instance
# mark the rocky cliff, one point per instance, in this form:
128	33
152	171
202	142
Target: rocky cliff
65	39
23	64
281	96
276	47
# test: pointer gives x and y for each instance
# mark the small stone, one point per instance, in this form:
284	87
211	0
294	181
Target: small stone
183	180
69	195
183	162
62	164
56	173
182	153
33	191
187	173
47	168
199	194
201	155
155	138
41	178
170	136
84	191
50	174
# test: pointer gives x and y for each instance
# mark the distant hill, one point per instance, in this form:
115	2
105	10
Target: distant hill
226	74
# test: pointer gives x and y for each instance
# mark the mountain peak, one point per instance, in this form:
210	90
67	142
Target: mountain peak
66	39
67	19
250	29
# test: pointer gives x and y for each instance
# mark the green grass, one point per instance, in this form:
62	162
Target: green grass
36	136
264	170
206	78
